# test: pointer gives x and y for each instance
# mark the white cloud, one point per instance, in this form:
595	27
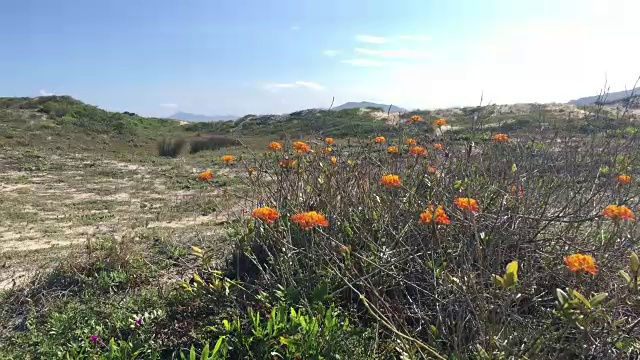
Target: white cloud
330	53
45	93
395	54
169	105
295	28
372	39
365	62
297	84
415	37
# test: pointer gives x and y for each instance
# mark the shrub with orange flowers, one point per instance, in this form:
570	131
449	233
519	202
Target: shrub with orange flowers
418	151
617	213
440	122
411	142
500	138
310	219
275	146
301	147
623	179
467	204
205	175
438	146
288	163
392	150
266	214
380	140
329	141
415	119
228	159
427	217
581	262
391	180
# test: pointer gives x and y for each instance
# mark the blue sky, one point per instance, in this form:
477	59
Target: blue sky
156	57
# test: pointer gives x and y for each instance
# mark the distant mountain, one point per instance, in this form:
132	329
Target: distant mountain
366	104
201	118
607	98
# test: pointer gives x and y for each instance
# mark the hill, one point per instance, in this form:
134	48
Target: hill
366	104
611	97
184	116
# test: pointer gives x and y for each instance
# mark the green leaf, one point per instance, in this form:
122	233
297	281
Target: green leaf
218	345
288	342
226	324
579	296
634	263
192	353
511	277
598	298
498	280
514	168
205	353
626	276
197	279
561	296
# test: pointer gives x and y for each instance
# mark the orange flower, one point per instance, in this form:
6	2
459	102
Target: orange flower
581	262
288	163
390	180
437	146
275	146
411	142
227	159
616	213
205	176
418	151
623	179
329	141
251	170
516	192
392	149
431	170
308	220
500	137
379	140
327	150
440	122
266	214
441	217
301	147
467	204
415	119
333	160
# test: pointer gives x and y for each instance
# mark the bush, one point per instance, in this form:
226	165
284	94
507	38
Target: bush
213	142
170	148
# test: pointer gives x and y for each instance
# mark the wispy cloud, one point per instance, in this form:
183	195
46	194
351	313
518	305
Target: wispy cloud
415	37
372	39
295	27
395	54
169	105
305	84
330	53
365	62
45	93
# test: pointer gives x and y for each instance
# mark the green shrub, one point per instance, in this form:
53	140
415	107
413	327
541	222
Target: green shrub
170	147
213	142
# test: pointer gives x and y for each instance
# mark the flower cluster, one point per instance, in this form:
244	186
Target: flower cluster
581	262
275	146
467	204
301	147
500	138
411	142
329	141
418	151
228	159
437	146
415	119
391	181
617	213
623	179
205	175
380	140
427	217
310	219
266	214
392	149
440	122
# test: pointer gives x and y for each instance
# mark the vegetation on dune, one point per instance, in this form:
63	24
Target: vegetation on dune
398	244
